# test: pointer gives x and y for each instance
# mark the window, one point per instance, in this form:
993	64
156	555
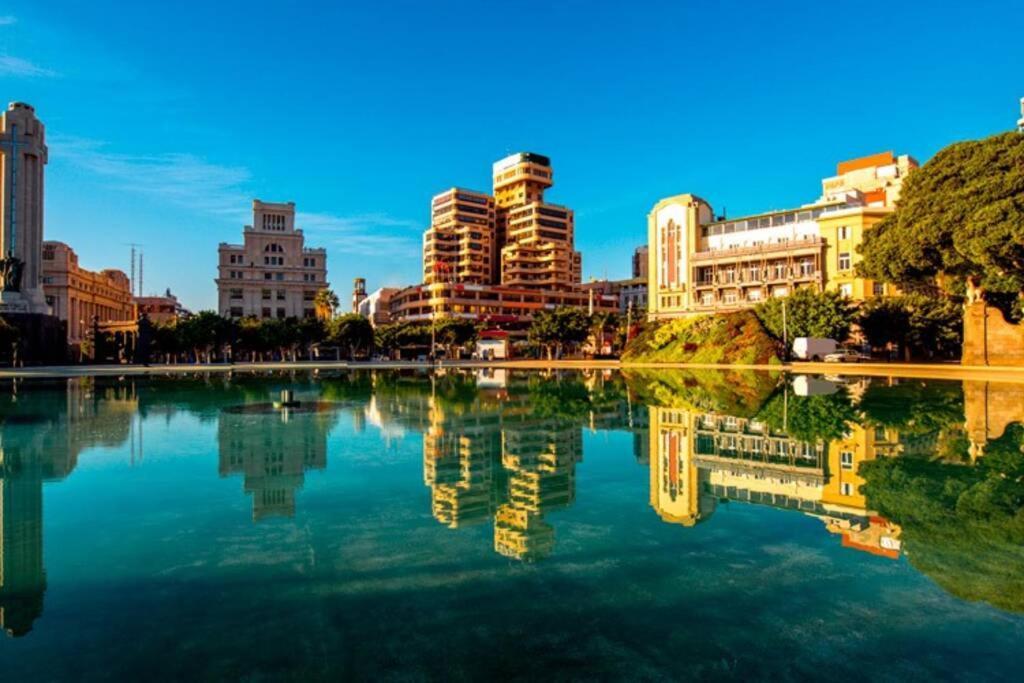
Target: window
265	312
267	276
846	460
266	295
280	295
278	276
846	289
729	297
878	289
236	311
235	293
846	488
280	312
844	260
753	295
844	232
707	299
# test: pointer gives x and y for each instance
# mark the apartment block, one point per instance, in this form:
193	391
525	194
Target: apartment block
700	263
272	274
537	238
499	258
461	245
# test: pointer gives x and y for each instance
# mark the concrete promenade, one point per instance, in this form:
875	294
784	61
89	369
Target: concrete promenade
950	371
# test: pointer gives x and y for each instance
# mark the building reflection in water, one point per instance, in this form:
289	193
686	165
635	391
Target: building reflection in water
40	442
495	460
703	458
272	449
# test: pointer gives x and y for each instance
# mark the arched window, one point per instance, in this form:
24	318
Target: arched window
273	248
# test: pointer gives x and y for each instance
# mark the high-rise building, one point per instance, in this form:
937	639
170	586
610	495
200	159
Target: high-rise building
536	238
460	245
24	154
499	258
272	274
699	263
77	295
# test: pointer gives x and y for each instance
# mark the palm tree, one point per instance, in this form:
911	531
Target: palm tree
326	302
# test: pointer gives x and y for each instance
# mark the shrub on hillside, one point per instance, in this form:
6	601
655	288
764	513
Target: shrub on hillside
731	338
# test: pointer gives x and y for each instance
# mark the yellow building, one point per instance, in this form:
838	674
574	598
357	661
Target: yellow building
700	263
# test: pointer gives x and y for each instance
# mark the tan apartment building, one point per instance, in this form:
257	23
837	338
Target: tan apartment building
461	245
272	274
499	258
76	295
537	238
159	309
700	263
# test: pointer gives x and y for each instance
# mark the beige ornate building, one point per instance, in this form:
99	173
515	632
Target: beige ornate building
700	263
24	154
272	274
77	295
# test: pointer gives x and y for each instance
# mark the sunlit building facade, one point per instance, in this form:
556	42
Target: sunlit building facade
272	274
699	458
77	295
499	257
702	263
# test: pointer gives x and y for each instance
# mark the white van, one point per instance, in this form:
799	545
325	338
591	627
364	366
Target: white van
813	348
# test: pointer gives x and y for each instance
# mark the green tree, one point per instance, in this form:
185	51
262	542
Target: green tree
808	314
204	334
559	329
963	526
601	324
454	332
352	332
921	324
810	419
961	217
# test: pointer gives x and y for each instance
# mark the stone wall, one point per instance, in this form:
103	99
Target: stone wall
989	408
989	339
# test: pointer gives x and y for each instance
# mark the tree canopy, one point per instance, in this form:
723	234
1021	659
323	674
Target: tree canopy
960	216
808	314
560	328
925	325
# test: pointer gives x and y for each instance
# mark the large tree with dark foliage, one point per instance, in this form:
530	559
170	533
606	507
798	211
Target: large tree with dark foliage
960	219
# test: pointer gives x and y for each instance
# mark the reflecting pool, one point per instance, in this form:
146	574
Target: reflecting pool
483	524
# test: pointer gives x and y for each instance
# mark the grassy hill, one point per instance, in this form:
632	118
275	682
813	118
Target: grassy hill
730	338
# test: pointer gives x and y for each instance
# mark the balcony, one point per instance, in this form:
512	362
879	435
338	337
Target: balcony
769	250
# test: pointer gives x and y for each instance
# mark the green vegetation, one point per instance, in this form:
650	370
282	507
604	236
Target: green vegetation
961	217
352	332
731	338
922	325
962	526
740	393
808	314
809	418
560	330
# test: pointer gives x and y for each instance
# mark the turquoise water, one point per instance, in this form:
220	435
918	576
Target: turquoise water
515	525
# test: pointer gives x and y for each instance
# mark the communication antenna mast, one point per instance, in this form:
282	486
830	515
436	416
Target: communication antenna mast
133	245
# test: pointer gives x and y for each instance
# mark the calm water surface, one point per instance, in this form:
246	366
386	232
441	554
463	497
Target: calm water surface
515	525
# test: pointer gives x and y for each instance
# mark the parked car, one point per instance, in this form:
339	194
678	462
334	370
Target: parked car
845	356
813	348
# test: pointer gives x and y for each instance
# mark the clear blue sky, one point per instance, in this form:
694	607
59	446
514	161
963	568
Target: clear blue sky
164	122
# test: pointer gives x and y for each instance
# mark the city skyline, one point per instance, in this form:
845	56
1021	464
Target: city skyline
150	144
